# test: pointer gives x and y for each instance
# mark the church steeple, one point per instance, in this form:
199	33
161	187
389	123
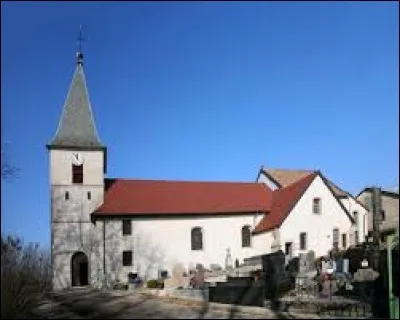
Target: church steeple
77	128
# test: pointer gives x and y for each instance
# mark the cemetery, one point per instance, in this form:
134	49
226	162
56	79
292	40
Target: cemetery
339	284
324	285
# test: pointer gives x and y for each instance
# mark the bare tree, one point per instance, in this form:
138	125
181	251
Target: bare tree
25	273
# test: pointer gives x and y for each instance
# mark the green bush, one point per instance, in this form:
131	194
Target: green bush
155	284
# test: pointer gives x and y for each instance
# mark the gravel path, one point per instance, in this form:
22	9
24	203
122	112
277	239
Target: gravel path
96	304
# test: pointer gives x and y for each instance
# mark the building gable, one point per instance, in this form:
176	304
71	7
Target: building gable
315	227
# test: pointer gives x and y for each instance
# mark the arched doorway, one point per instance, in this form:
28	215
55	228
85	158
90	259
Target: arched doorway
79	269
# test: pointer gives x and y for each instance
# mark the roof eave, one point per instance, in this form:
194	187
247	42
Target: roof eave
264	171
98	213
326	181
52	146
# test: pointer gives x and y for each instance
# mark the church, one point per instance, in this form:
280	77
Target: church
104	228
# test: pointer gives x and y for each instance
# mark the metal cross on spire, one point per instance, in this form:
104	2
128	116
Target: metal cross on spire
80	39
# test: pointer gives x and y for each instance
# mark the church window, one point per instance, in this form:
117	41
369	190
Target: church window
66	195
344	240
303	241
355	215
89	195
126	227
246	236
127	258
317	205
335	236
77	174
197	238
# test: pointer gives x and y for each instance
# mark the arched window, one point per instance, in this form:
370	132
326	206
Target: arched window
317	205
246	236
197	238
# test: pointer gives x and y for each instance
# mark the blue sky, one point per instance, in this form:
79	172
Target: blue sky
203	91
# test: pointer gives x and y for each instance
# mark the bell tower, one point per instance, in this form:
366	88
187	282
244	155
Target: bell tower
77	168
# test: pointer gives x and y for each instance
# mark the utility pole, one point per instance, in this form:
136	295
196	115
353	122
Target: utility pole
376	220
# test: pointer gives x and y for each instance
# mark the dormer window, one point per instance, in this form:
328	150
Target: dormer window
77	174
317	205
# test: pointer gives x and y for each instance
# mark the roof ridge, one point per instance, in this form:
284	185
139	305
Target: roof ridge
288	170
183	181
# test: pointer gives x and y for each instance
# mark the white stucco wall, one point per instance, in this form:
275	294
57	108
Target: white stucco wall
362	216
262	242
159	243
317	226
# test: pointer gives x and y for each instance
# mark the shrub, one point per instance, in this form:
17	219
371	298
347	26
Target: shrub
155	284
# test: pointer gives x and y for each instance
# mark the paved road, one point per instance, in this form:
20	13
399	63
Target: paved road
94	304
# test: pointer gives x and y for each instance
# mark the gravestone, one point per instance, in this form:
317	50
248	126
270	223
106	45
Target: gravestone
339	265
228	260
334	266
178	277
326	289
198	279
215	267
274	274
325	265
310	258
293	266
365	275
307	262
345	265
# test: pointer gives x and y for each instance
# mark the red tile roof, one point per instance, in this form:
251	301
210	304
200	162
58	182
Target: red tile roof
283	202
147	197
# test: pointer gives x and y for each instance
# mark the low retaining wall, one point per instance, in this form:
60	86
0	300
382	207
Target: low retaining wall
188	294
193	294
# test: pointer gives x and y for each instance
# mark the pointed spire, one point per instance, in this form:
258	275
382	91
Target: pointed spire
77	127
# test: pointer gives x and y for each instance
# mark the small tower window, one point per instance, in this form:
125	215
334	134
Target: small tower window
126	227
66	195
317	205
77	174
89	195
